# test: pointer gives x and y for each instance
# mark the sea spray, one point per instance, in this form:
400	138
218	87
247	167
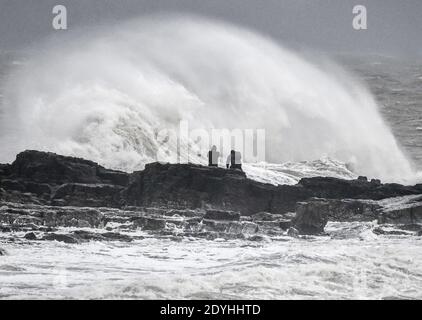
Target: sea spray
103	94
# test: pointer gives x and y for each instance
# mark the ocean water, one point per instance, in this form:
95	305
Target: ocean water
121	100
395	83
381	134
350	263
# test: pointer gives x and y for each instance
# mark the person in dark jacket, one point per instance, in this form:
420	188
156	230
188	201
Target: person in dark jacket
229	160
234	160
213	156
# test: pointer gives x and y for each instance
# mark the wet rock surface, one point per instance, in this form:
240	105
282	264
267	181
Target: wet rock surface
311	217
402	212
60	238
30	236
42	192
222	215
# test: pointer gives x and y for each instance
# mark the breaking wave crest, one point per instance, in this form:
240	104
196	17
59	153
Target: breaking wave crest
102	95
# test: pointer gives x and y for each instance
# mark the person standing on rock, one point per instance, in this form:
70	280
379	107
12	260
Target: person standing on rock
235	160
229	159
213	156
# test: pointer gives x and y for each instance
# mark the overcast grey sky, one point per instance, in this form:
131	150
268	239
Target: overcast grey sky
394	26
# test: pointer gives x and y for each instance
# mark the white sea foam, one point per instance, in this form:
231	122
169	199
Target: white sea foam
354	263
104	94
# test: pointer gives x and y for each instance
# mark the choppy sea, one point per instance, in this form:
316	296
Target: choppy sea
351	262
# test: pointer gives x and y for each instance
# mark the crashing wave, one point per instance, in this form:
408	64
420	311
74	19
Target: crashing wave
103	95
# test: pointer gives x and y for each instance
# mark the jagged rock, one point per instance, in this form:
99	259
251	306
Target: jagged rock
292	232
184	213
26	219
243	227
61	238
9	184
313	214
346	210
73	217
149	223
4	170
105	236
184	190
407	210
269	220
5	229
311	217
47	167
192	186
39	189
95	195
114	236
74	181
182	186
402	216
222	215
194	220
234	227
256	237
285	224
409	227
335	188
263	216
30	236
79	223
376	182
391	232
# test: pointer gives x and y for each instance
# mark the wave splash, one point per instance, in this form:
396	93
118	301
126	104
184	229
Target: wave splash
102	96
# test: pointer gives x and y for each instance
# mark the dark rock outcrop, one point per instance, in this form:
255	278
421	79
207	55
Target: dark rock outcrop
47	167
37	216
87	195
149	223
222	215
313	214
405	211
30	236
61	184
193	186
391	232
342	210
48	178
334	188
66	238
311	217
51	179
231	227
83	235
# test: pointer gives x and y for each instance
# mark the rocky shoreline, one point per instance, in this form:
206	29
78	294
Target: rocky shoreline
40	193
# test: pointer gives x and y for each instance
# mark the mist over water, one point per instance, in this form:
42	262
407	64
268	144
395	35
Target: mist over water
103	95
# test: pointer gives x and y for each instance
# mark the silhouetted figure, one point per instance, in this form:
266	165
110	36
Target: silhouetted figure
213	156
235	160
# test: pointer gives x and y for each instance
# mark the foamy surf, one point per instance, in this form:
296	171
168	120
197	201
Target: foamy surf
351	264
